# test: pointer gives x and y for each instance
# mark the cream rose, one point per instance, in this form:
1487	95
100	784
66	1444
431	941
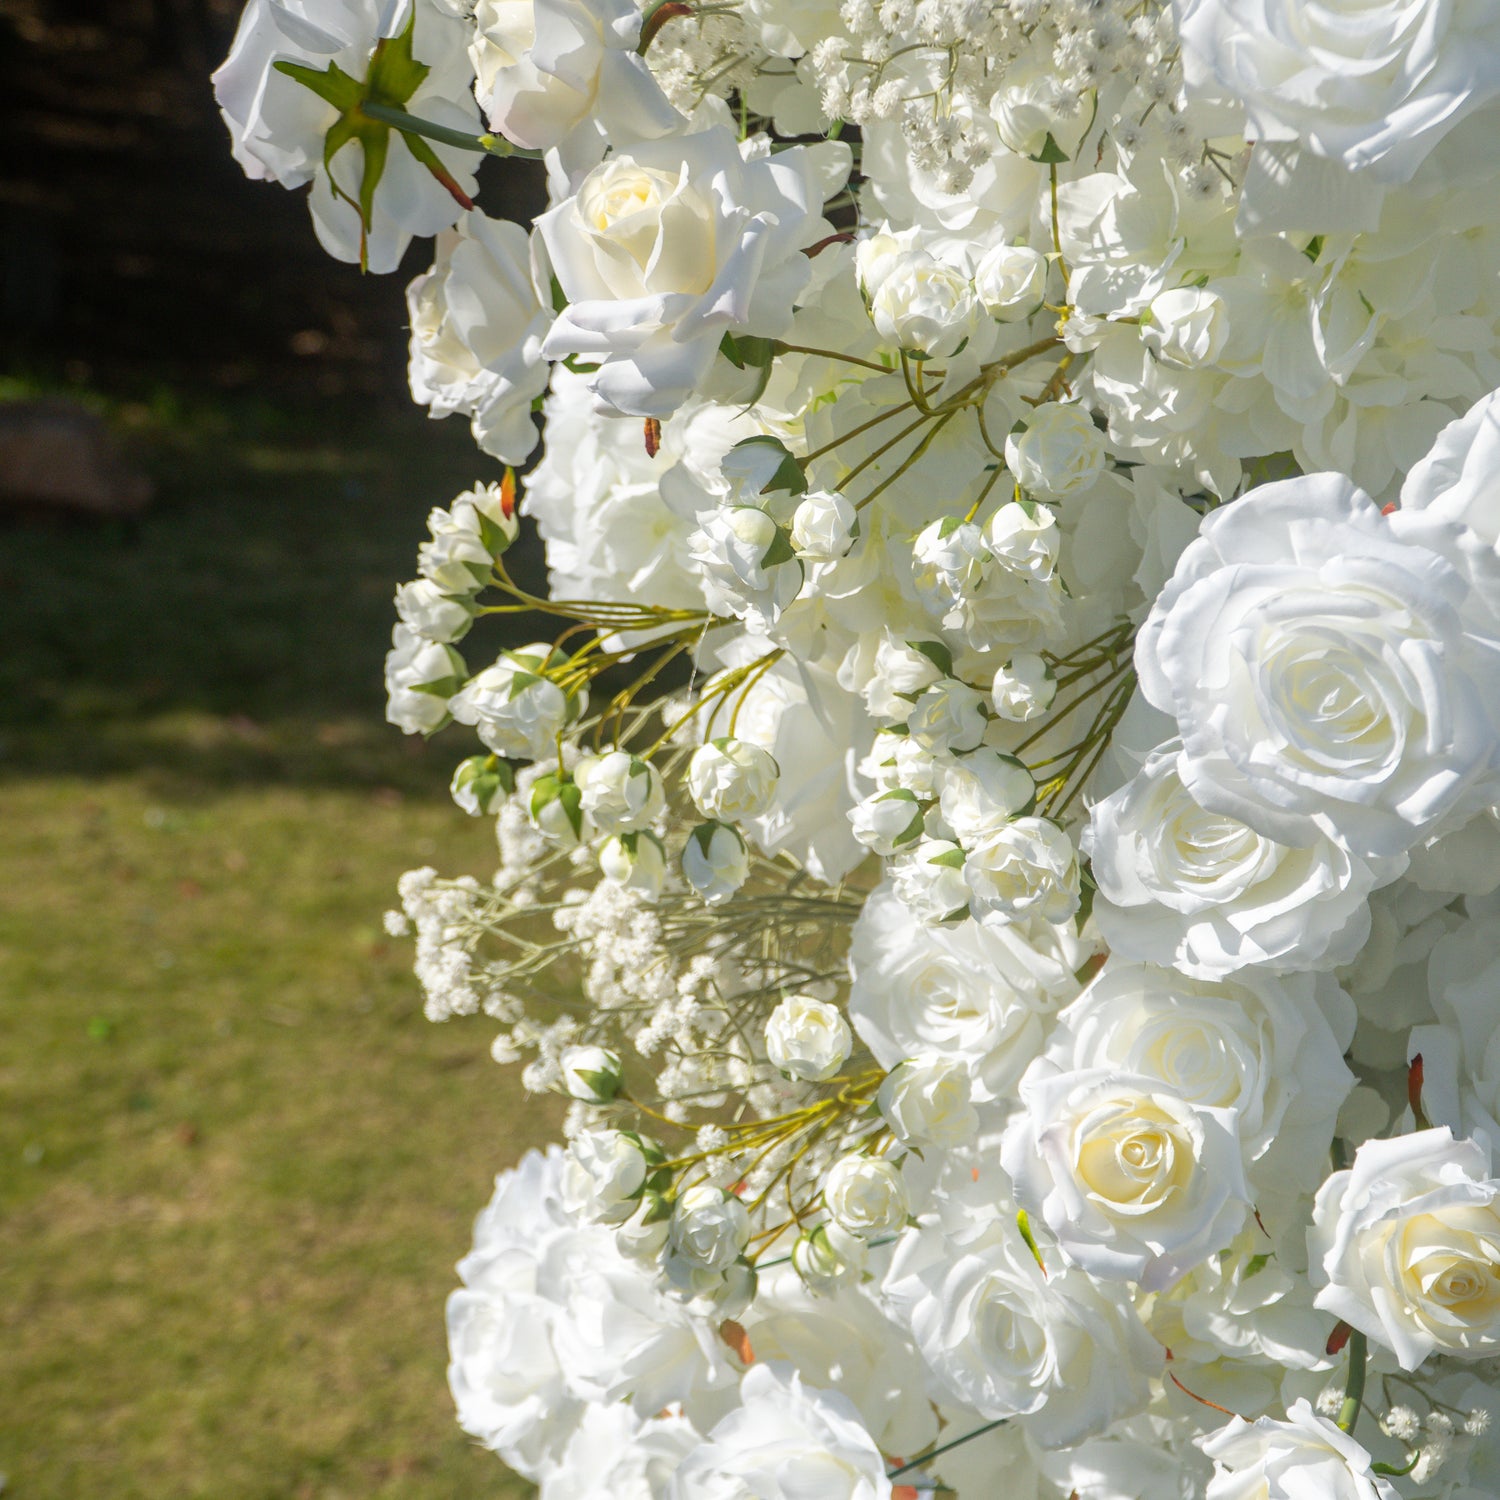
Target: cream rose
1304	1455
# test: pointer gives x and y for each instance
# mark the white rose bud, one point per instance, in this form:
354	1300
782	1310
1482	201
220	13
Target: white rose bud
489	510
592	1074
517	710
983	792
866	1196
710	1228
621	792
950	715
886	821
731	780
556	808
900	674
924	306
1011	281
1029	114
605	1174
455	559
420	678
828	1256
715	861
824	526
643	1236
1026	868
926	1101
636	861
480	781
1059	453
930	880
807	1039
747	564
1024	688
1186	327
430	613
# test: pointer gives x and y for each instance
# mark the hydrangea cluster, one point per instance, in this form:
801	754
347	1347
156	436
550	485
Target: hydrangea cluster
998	808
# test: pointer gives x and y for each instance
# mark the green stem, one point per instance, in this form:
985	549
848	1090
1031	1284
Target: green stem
927	1458
1354	1389
488	145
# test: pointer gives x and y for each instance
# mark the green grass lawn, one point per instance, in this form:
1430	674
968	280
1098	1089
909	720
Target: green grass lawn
236	1165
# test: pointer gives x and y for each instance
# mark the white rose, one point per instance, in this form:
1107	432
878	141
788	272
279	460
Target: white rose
455	557
556	807
747	566
1373	84
807	1039
621	792
420	677
926	1101
614	1453
278	125
516	709
1329	668
730	779
477	325
1203	891
1025	868
1406	1244
1004	1339
1032	112
715	862
865	1195
479	782
1059	453
981	794
886	821
1023	688
427	611
604	1175
824	526
899	676
1011	281
827	1256
1135	1183
929	880
1303	1456
923	306
545	67
710	1228
785	1441
592	1074
950	715
1187	326
1455	481
636	861
669	245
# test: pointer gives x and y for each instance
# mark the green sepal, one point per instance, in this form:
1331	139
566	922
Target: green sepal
935	652
788	475
949	859
605	1085
781	549
1023	1224
1051	154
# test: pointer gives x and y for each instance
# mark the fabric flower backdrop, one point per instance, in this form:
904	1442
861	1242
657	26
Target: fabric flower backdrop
1001	843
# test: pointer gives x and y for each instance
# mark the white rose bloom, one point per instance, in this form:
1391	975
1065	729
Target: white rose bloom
824	526
1011	281
709	1228
1372	84
1135	1183
1004	1339
477	325
1059	453
1306	1455
785	1441
926	1101
1023	688
278	125
1026	868
1031	110
455	557
1187	326
518	711
928	878
1203	891
900	675
603	1176
545	67
886	821
865	1195
747	566
1330	669
590	1073
420	677
669	245
715	862
1406	1244
1455	480
950	715
731	779
613	1453
981	793
427	611
621	792
1270	1050
636	861
923	305
807	1039
978	995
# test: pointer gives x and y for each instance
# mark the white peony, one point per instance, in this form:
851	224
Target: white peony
1405	1246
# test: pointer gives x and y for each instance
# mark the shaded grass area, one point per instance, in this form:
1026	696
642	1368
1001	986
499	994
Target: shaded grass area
236	1165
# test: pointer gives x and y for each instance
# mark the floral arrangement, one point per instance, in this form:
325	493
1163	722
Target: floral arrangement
1001	848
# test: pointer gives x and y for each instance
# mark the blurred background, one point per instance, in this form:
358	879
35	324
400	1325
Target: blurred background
236	1164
